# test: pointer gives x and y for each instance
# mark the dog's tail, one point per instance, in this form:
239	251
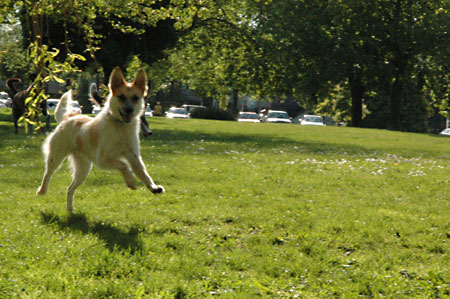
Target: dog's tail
95	96
10	83
64	106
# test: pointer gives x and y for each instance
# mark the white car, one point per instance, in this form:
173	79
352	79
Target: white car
96	109
148	112
274	116
76	107
251	117
4	95
189	108
52	103
5	100
312	120
445	132
175	112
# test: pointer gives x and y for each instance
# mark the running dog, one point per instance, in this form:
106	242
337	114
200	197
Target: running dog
110	140
18	103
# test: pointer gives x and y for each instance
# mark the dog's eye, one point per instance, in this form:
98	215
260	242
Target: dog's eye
122	98
135	99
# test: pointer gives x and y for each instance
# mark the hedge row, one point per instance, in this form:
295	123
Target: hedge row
211	113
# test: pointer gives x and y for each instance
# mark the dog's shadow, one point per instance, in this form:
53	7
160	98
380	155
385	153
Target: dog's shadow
113	238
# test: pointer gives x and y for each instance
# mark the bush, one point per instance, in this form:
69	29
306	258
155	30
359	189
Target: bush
207	113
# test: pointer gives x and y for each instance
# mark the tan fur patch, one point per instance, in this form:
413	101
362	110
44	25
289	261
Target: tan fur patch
128	91
120	90
94	133
81	120
71	114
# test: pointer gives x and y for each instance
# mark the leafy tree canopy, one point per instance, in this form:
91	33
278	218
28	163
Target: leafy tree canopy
355	55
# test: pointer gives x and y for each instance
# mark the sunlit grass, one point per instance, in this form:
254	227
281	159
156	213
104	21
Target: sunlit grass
251	210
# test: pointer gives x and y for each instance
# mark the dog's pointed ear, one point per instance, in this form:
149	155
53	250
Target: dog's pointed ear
116	80
141	82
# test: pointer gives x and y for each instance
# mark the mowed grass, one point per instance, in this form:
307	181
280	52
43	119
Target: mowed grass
250	211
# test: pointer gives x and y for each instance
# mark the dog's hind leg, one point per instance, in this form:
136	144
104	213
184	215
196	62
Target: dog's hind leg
16	114
53	162
81	168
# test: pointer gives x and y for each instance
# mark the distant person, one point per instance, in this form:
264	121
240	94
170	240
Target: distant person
158	110
144	124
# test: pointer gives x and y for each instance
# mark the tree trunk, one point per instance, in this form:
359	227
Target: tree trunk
235	108
357	90
397	88
400	62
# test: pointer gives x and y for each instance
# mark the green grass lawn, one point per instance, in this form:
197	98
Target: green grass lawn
250	211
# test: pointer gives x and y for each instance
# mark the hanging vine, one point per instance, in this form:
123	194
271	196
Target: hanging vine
43	58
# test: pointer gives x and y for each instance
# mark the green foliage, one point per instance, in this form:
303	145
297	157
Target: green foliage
337	105
215	55
12	55
374	46
265	48
251	210
73	28
47	70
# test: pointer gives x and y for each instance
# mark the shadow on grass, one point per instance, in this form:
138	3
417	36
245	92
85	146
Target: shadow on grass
257	140
261	136
114	238
338	142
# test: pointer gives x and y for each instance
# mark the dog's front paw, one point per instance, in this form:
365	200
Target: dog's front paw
41	191
158	189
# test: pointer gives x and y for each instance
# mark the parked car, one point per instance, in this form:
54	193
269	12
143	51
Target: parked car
96	109
275	116
251	117
5	100
312	120
52	103
76	107
189	108
4	95
5	103
148	112
445	132
176	112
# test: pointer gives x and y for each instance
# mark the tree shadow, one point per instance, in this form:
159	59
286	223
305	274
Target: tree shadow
114	238
258	140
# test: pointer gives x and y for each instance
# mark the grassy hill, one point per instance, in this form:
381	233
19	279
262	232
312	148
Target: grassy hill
251	210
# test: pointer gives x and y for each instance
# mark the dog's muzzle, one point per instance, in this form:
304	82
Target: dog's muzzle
127	114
